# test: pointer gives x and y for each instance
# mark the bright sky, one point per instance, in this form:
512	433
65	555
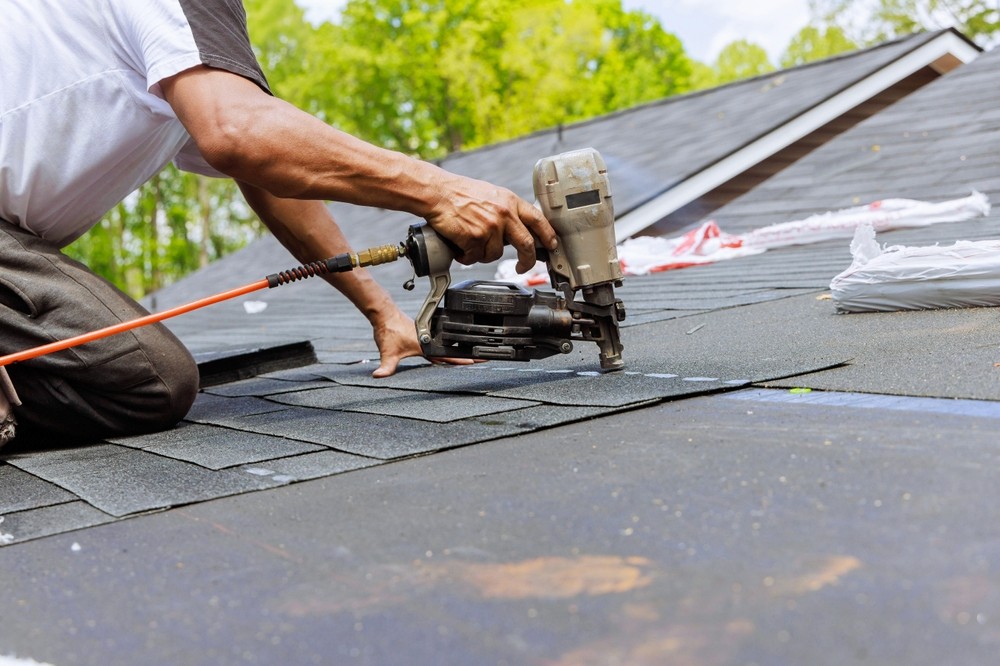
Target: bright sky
704	26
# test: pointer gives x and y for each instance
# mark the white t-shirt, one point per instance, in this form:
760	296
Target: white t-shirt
82	120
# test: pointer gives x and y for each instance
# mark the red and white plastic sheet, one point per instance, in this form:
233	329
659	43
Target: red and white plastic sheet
709	244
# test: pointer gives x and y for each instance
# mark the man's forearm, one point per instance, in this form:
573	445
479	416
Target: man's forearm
266	142
307	229
270	144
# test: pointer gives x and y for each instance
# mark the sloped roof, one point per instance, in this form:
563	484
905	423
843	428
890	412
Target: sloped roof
938	143
702	330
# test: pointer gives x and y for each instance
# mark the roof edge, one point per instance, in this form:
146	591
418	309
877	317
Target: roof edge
917	36
945	44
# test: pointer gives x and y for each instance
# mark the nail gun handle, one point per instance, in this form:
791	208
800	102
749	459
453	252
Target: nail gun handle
428	251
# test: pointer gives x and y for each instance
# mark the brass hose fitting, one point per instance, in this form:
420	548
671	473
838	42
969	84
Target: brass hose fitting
381	254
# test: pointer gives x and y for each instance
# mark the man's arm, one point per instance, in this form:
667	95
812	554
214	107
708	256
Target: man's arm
309	232
264	142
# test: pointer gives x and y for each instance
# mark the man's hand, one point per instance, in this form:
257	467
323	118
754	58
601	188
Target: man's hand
481	218
8	401
396	337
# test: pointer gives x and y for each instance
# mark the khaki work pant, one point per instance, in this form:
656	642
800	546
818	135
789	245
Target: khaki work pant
135	382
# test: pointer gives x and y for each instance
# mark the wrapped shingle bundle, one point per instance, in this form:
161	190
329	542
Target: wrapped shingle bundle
964	274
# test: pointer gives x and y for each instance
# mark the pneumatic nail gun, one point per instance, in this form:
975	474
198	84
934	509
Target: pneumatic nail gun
503	321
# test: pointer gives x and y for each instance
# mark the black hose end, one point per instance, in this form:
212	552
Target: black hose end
340	264
416	250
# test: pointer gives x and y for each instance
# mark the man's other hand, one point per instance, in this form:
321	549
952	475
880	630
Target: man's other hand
396	338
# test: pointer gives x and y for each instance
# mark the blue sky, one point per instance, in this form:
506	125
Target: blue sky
704	26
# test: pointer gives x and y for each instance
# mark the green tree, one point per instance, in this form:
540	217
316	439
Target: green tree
812	43
870	23
741	60
702	76
283	40
437	76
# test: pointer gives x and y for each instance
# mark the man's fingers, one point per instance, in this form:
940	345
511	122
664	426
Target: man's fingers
438	360
387	367
481	217
536	222
519	236
524	243
469	257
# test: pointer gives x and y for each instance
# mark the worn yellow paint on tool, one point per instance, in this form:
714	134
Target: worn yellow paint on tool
828	573
539	578
674	643
641	612
554	577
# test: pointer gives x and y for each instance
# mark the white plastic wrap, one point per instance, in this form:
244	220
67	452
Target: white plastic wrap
965	274
708	243
884	215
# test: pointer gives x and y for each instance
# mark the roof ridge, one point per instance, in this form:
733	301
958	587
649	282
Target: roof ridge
917	37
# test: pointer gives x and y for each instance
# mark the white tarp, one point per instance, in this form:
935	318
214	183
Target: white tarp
708	243
965	274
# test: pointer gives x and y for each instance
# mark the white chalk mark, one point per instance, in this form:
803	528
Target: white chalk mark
5	538
254	307
14	661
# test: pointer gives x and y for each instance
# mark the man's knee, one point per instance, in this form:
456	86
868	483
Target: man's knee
182	381
146	390
174	390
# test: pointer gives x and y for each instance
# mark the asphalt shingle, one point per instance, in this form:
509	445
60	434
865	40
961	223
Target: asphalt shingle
419	405
371	435
45	521
20	491
214	447
122	481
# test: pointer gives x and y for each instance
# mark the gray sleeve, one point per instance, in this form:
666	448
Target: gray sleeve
220	33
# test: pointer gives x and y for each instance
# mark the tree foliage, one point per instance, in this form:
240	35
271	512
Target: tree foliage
175	223
426	77
816	43
873	21
435	76
741	59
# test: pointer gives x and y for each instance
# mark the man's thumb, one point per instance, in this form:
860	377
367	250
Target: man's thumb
386	368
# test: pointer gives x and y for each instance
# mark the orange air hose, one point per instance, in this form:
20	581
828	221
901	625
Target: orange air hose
338	264
115	329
